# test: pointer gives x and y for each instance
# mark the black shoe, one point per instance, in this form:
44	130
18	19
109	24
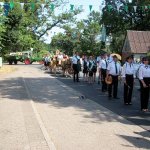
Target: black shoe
104	91
116	98
126	103
130	103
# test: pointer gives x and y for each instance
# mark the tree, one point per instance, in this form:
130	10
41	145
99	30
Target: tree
117	23
81	37
24	28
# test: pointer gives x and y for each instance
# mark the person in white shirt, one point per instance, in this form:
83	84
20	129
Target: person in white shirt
76	66
109	58
85	68
98	59
90	69
144	76
128	75
103	70
94	69
113	70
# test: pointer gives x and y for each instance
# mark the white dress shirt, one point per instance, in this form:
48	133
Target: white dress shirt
112	69
90	65
103	64
98	59
109	59
75	59
128	69
144	71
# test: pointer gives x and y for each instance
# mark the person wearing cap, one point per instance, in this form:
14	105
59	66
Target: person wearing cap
144	76
103	71
128	75
113	70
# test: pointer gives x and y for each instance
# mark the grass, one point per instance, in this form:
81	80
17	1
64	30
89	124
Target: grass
7	69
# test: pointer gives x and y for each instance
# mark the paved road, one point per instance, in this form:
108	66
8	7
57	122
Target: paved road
39	112
94	93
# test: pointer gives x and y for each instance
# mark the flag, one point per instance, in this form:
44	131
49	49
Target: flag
6	9
71	7
11	5
22	5
90	7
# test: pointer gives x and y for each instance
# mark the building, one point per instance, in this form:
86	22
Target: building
136	43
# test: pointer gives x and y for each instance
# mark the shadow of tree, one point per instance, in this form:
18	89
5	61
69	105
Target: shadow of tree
136	141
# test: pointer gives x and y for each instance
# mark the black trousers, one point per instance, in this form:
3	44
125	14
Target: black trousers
128	88
145	94
76	73
114	85
103	76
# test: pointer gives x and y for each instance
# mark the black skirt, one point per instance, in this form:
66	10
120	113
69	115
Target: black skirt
90	73
85	70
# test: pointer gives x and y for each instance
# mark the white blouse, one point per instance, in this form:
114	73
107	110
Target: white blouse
112	69
128	69
144	71
103	64
75	59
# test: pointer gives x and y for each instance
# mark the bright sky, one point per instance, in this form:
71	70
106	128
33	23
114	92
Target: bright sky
96	5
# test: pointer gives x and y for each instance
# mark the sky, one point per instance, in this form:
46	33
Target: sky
96	5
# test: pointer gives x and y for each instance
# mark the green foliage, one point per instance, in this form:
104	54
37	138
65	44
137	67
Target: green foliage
127	18
81	37
24	29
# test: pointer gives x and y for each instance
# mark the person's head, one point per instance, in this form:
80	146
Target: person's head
91	57
76	53
145	60
108	54
129	59
115	58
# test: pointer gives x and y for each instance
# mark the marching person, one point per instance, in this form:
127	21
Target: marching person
113	70
128	75
103	71
98	62
94	69
144	76
109	58
90	69
85	68
75	66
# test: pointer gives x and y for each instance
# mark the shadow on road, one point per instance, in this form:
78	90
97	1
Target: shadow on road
59	95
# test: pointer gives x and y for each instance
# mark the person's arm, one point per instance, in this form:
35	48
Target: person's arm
141	77
108	69
123	70
134	72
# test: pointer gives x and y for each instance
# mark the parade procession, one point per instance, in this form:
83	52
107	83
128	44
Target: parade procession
74	75
108	70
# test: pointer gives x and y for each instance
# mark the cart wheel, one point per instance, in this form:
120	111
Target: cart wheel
27	61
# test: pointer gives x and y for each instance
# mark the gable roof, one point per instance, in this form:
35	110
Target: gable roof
137	42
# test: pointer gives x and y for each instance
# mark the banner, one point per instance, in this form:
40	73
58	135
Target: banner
52	6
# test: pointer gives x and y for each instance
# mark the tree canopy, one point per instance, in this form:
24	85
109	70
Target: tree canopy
22	29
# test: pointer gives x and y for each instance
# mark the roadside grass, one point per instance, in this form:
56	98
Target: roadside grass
7	69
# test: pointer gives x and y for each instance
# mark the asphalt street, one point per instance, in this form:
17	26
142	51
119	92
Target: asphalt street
93	92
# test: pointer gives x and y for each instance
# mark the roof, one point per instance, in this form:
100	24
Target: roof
137	42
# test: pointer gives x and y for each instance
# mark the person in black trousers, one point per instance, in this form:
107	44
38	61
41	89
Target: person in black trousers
103	71
76	67
128	74
113	70
144	76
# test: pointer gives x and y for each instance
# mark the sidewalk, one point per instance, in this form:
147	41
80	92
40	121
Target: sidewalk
37	109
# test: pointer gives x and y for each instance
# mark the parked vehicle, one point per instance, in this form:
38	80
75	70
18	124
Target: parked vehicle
26	57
